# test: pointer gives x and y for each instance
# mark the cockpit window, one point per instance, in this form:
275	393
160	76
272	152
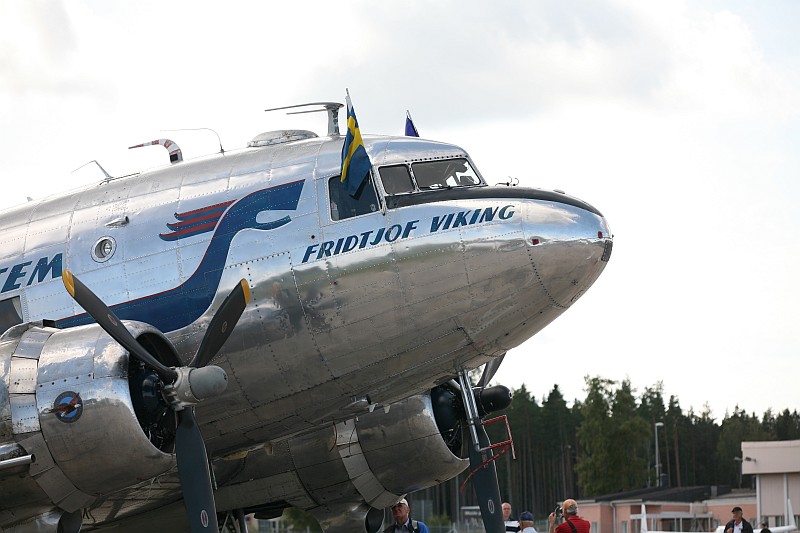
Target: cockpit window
345	206
427	175
444	174
396	179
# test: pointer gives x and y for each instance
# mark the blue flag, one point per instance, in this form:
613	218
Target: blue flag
355	161
411	130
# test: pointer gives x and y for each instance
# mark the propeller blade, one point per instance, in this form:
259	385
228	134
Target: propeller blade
486	485
222	324
489	370
112	325
198	495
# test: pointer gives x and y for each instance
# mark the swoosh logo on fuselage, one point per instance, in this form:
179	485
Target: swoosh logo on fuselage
177	308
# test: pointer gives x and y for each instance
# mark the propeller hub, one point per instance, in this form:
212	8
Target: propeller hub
194	385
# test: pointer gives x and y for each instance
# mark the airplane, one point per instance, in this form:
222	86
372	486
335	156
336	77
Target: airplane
236	334
792	526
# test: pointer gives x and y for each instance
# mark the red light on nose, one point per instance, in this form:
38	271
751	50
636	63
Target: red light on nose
534	241
599	234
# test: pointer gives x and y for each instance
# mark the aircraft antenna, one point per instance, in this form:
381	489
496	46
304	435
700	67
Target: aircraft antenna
107	175
331	107
221	150
512	182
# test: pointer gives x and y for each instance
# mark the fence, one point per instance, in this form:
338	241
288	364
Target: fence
281	526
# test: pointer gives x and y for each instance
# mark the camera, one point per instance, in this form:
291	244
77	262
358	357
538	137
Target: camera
558	512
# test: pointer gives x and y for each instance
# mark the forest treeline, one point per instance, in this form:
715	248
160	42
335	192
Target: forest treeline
604	444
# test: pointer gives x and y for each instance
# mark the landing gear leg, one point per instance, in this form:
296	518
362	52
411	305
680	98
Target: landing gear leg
470	407
237	523
241	520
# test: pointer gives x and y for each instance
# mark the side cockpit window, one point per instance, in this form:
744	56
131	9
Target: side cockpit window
396	179
345	206
428	175
10	313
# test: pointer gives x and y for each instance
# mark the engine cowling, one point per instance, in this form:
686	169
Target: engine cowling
344	474
71	406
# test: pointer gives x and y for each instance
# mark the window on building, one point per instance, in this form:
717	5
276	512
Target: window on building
345	206
10	313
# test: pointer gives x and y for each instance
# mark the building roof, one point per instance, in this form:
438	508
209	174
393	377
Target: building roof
670	494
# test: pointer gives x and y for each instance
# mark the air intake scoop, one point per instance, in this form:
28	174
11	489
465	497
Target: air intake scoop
270	138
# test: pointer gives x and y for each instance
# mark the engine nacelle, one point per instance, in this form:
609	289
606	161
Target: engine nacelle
381	455
344	474
69	403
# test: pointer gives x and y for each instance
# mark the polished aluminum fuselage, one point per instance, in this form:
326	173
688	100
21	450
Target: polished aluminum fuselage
366	310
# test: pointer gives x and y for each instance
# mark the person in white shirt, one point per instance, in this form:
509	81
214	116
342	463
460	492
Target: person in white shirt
511	525
737	523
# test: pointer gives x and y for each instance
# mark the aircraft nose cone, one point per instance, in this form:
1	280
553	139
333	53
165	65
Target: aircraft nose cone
569	248
571	268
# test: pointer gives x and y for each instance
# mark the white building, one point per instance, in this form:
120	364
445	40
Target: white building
776	467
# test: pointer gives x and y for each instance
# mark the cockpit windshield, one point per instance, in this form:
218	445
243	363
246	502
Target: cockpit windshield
445	173
428	175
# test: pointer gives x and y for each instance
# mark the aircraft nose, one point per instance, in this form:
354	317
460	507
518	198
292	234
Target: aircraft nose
569	245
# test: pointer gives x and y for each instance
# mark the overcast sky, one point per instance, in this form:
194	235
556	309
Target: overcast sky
678	120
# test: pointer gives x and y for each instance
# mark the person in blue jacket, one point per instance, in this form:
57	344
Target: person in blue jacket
403	522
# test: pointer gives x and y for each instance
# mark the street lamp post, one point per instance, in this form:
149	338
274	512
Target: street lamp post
658	465
738	461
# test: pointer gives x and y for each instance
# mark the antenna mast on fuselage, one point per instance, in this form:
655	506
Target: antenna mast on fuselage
331	107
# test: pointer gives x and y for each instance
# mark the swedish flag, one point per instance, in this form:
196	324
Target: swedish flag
355	161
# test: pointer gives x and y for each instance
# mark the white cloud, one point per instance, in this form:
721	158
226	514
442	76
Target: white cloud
719	69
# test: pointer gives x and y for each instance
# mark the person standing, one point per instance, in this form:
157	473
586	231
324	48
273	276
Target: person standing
511	524
738	524
572	522
765	527
526	522
403	522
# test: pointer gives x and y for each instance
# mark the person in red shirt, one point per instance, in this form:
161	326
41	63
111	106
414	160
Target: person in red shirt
572	522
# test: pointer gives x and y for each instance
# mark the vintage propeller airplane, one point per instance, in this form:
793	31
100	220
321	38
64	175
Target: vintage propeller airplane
341	327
